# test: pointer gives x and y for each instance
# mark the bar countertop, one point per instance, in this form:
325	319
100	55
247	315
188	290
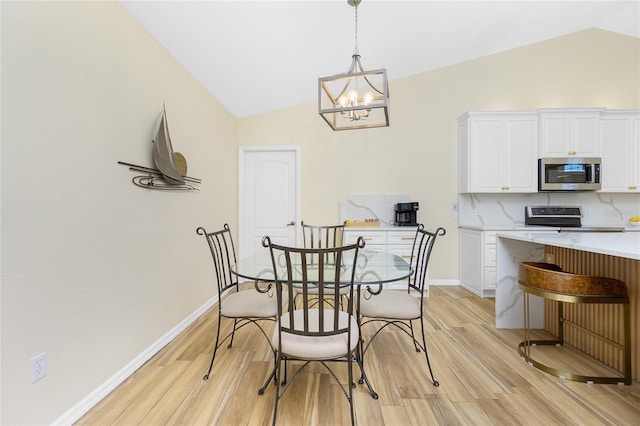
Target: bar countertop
621	244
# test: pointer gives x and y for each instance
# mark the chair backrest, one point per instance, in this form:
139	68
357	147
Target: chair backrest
223	254
322	236
294	271
420	255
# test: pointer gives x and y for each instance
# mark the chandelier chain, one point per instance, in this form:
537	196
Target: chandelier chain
356	27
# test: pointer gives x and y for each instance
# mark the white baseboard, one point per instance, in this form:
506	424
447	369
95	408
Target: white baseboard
88	402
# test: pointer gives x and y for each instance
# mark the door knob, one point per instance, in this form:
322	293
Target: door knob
292	223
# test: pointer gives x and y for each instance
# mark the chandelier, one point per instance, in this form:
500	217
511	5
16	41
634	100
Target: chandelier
357	99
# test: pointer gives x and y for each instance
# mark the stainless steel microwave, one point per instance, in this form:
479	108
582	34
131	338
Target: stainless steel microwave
569	174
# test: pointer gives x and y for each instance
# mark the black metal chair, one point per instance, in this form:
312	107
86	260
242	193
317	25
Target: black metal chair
243	306
320	331
322	236
400	308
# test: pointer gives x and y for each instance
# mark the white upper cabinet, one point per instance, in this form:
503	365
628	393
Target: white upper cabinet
498	152
570	132
620	150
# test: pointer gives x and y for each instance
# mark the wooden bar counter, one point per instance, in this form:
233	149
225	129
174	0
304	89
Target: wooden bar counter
613	255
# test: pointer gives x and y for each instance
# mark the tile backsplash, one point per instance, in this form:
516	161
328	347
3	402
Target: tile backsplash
371	206
599	209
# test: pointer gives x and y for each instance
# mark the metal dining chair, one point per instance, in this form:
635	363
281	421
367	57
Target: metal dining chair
242	306
322	236
399	308
320	331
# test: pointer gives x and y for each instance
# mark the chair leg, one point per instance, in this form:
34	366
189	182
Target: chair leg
426	354
360	360
233	332
277	397
284	379
351	386
415	342
272	376
215	349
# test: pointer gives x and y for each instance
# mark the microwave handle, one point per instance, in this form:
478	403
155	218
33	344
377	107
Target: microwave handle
592	173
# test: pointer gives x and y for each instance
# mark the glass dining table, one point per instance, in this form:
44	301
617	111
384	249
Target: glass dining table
373	268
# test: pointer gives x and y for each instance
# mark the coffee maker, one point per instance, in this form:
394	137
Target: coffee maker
406	214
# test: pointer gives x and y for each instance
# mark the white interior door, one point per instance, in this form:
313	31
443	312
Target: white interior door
269	196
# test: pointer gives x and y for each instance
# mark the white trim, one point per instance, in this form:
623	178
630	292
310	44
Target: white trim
88	402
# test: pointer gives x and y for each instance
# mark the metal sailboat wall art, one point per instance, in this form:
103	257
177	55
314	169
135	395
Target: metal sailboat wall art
170	173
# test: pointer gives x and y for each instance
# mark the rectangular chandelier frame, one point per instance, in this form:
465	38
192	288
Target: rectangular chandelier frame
338	116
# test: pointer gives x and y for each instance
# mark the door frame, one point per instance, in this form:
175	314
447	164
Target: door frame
242	151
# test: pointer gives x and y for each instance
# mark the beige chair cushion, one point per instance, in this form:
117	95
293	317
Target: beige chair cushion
251	304
391	304
313	347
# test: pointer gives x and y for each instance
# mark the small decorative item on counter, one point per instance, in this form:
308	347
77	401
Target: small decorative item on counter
362	223
635	221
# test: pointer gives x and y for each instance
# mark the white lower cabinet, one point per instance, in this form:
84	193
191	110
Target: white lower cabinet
478	261
390	240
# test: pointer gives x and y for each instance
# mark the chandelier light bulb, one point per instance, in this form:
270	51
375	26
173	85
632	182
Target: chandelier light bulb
353	97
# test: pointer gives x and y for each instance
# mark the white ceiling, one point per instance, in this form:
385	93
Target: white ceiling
258	56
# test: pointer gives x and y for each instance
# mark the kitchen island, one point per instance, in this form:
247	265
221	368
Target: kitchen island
609	254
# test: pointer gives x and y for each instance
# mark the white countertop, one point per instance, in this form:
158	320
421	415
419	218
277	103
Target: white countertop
627	227
621	244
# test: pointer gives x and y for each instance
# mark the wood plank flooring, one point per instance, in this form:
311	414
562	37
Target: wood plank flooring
483	381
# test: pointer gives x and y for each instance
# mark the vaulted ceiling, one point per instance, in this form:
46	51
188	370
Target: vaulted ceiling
258	56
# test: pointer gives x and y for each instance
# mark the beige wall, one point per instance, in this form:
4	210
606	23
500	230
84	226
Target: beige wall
95	270
417	154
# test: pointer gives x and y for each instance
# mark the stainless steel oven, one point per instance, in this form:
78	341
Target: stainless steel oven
569	174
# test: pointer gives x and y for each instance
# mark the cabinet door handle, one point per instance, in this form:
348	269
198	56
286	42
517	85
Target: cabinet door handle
292	223
408	238
633	187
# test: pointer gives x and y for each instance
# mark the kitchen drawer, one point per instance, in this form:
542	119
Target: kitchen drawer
490	278
490	237
402	251
490	254
370	238
401	238
490	248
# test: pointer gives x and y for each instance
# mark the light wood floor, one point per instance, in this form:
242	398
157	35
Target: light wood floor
483	381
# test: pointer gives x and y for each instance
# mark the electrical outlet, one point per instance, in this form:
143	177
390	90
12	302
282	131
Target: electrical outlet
38	367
